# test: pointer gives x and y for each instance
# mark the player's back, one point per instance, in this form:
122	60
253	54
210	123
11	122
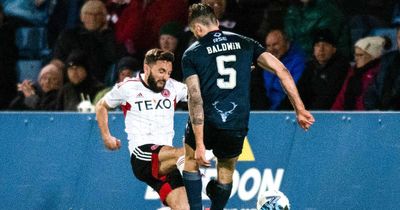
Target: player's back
223	60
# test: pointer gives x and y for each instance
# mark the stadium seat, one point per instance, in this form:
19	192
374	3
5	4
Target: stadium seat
388	32
361	26
28	69
32	43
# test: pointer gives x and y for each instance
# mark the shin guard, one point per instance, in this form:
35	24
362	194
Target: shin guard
218	194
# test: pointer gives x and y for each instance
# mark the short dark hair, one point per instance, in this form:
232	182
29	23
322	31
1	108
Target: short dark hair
202	13
154	55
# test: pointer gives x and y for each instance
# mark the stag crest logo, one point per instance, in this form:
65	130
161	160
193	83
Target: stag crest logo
224	114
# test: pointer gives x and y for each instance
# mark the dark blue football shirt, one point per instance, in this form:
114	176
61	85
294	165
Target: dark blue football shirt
223	60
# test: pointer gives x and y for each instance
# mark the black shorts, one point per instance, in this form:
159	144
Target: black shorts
224	143
145	165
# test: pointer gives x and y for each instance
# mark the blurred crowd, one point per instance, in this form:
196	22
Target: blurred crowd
57	54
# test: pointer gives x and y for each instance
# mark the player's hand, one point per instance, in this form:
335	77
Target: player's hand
112	143
200	156
305	119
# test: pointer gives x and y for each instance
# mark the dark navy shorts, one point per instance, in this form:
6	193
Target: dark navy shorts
224	143
145	165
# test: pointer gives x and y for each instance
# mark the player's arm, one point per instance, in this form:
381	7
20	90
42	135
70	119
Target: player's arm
110	141
268	61
196	112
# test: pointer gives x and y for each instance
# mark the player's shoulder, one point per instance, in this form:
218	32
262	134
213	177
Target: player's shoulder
230	33
193	48
175	84
234	35
129	81
176	87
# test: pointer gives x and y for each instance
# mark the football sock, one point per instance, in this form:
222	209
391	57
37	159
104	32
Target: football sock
218	194
193	185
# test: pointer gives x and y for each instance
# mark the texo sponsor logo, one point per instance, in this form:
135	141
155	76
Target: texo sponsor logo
152	104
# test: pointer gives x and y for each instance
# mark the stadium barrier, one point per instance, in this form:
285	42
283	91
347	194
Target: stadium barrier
347	160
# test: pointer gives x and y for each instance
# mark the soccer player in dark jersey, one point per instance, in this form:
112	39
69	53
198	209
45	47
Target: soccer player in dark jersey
217	71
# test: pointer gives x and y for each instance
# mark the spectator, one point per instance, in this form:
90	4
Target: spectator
41	95
8	59
384	93
127	67
139	24
306	16
80	83
170	37
94	38
65	16
292	57
324	74
29	12
367	53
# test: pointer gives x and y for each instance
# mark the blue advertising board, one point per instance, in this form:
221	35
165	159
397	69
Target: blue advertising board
345	161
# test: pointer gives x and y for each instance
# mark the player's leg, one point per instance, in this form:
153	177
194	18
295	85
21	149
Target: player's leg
146	161
190	163
228	147
167	157
176	194
219	190
192	179
177	199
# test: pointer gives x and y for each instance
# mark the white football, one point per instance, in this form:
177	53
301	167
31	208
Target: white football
273	200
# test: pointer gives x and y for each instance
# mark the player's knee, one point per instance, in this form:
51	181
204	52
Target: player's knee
179	152
180	204
189	159
191	165
227	164
226	168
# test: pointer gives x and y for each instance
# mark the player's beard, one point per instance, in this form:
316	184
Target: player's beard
153	84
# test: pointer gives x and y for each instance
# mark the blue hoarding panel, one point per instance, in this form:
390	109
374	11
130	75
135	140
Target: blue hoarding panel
346	161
